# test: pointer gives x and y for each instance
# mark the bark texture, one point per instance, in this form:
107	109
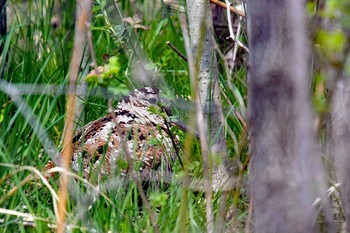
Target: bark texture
210	98
340	142
280	120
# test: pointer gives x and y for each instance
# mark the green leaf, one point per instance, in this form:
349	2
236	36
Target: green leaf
158	198
331	42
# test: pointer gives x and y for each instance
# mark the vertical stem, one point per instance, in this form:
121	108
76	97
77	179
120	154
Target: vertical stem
83	17
3	32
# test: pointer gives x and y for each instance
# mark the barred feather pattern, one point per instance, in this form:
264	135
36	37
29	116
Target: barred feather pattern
97	147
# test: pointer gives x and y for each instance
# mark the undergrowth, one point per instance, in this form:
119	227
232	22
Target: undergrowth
37	52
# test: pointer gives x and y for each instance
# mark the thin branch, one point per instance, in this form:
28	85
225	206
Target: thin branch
230	28
230	8
167	124
176	51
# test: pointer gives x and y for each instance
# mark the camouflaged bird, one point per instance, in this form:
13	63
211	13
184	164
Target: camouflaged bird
97	147
97	150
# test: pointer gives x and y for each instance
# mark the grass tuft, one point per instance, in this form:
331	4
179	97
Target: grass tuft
38	54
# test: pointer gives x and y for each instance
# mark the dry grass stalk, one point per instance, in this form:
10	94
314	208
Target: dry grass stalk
84	11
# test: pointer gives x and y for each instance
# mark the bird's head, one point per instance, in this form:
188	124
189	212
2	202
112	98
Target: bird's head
142	105
143	97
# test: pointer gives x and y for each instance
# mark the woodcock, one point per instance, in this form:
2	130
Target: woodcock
97	147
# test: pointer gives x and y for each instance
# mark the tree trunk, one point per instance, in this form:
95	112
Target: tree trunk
340	124
281	128
209	93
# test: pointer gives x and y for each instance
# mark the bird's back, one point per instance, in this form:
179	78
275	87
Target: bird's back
98	147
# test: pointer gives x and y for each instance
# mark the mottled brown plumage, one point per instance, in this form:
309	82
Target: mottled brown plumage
97	148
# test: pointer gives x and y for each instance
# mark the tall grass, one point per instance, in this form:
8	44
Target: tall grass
39	54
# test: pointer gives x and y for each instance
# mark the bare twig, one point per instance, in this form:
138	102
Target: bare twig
176	50
230	28
230	8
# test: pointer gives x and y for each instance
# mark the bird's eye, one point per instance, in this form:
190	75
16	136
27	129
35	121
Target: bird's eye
152	100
